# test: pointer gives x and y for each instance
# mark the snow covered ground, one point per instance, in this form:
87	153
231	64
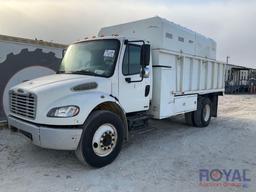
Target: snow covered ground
165	157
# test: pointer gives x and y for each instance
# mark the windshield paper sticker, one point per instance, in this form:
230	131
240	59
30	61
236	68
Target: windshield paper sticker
109	53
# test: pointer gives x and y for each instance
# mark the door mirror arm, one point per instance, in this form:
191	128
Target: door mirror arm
144	61
143	74
128	80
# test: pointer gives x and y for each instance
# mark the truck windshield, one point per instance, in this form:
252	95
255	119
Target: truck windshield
97	57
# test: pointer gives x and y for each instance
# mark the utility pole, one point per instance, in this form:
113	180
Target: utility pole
228	59
227	75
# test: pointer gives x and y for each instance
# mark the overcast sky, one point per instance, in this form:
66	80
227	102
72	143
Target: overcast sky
231	23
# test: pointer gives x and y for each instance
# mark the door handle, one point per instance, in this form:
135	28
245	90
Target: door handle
147	90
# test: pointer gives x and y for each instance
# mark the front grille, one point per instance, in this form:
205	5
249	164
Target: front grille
23	104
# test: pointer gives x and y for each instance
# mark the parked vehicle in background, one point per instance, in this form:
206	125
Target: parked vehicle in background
109	84
239	79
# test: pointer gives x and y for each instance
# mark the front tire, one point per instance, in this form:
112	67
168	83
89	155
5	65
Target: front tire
101	139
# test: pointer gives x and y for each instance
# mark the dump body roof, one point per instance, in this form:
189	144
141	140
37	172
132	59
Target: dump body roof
163	34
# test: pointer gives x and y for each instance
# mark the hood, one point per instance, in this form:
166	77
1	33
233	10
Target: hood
61	90
60	82
52	79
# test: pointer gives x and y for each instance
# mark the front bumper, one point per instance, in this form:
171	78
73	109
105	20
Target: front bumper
47	137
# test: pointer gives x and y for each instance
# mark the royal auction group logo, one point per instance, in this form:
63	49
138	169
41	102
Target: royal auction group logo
224	178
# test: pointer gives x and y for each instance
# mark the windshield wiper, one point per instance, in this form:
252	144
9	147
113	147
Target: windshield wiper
80	72
83	72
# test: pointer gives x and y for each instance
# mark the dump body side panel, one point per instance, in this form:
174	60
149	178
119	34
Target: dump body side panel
179	78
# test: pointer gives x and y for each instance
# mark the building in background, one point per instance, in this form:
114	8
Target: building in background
240	79
24	59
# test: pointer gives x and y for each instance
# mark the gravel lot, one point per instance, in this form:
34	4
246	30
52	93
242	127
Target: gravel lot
165	157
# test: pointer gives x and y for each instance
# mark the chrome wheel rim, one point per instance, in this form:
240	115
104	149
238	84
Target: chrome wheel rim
104	140
206	112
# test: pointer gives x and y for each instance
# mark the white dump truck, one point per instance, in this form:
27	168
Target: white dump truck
109	84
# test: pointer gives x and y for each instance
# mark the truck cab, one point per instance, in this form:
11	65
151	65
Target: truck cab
110	75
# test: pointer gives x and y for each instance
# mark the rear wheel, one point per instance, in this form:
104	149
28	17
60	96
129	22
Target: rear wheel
202	116
101	140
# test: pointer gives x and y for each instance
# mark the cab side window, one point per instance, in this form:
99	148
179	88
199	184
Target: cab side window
131	62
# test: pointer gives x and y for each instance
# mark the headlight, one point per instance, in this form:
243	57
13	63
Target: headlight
65	111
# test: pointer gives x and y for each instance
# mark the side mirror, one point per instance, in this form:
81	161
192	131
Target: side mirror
145	55
145	72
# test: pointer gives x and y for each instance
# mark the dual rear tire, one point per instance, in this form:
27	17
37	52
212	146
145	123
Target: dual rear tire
202	116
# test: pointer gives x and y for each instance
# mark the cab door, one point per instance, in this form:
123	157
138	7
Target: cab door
133	89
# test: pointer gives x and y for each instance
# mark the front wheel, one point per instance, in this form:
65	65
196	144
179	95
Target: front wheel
101	139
